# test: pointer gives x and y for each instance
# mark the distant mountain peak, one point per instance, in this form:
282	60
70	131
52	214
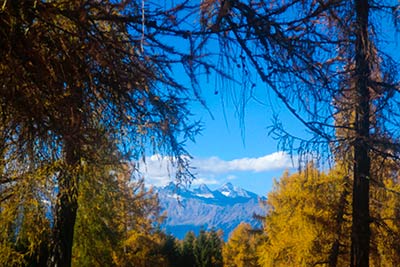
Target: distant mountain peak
231	191
228	185
203	187
193	208
203	191
227	192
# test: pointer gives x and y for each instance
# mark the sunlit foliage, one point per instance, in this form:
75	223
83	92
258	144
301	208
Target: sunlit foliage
241	248
309	221
117	221
301	225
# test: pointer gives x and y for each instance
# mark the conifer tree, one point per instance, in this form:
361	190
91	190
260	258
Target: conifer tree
305	219
216	243
172	252
187	250
309	219
241	248
117	218
311	54
202	250
207	249
67	67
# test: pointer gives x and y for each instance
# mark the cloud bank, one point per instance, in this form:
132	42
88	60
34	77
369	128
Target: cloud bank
158	170
274	161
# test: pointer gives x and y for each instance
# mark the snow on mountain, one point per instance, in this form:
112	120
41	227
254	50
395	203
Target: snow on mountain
192	209
203	191
231	191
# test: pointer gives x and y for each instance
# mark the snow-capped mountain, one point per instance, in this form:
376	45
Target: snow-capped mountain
203	191
201	207
232	191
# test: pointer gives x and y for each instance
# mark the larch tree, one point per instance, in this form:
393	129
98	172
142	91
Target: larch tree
117	220
68	69
321	58
309	218
241	248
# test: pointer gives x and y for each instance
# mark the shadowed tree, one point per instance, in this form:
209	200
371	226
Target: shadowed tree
322	58
117	218
187	250
207	249
67	67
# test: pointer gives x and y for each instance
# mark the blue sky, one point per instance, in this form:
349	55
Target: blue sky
231	149
234	146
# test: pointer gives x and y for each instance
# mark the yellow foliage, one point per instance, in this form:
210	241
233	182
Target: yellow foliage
309	220
24	227
301	224
115	223
241	248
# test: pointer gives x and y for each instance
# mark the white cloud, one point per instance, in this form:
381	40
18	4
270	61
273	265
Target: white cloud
274	161
158	170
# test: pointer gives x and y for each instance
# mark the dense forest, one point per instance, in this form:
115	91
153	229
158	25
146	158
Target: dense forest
89	88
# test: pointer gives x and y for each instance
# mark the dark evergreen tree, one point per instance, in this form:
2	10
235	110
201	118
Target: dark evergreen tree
202	250
207	249
171	250
187	250
215	240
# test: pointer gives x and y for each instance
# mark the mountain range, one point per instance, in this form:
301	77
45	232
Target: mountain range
202	208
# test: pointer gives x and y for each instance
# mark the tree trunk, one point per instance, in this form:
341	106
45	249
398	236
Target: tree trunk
67	198
335	249
64	221
360	236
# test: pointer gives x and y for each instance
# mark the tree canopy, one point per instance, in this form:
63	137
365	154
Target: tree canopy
241	250
76	75
309	219
323	59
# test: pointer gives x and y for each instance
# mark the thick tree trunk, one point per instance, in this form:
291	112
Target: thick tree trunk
360	236
67	198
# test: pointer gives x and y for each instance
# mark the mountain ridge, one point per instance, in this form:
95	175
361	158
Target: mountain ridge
203	208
